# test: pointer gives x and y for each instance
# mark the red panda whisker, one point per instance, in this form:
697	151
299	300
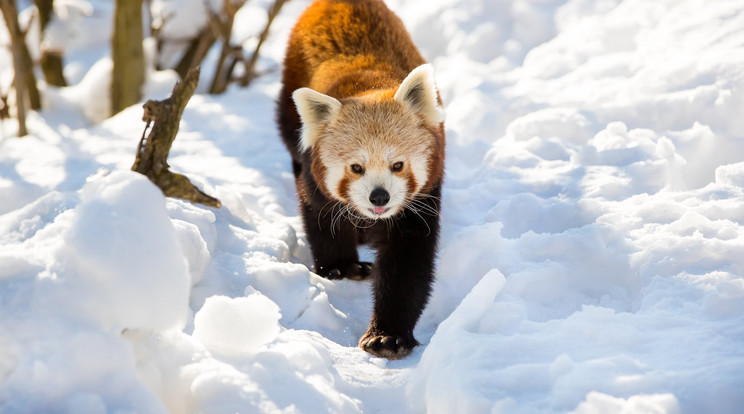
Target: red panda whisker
337	217
330	203
418	205
423	195
416	212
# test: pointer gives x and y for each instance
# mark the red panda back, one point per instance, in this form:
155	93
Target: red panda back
344	48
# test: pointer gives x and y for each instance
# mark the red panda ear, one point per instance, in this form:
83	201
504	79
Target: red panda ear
419	93
315	109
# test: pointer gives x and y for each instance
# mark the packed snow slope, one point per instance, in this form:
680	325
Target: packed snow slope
591	260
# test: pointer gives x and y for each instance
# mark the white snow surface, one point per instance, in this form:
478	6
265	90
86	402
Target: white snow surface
592	249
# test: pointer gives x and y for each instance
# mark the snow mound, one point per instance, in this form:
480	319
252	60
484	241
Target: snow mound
70	296
137	277
239	326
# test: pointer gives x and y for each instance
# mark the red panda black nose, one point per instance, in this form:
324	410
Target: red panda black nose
379	196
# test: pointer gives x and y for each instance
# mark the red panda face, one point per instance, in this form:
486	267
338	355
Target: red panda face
375	152
374	157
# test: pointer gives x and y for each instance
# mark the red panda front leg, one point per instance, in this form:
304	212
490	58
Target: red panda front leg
402	275
333	244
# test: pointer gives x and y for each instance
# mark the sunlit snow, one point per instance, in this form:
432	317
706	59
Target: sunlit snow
592	249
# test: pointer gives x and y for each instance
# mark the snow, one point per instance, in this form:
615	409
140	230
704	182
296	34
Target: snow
239	326
592	249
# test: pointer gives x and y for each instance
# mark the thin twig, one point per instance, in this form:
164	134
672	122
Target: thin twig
250	70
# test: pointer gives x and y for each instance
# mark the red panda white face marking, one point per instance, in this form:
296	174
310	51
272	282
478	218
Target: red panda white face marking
375	157
372	152
382	183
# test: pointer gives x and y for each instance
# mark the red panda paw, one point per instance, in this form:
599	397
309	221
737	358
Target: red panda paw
353	271
387	346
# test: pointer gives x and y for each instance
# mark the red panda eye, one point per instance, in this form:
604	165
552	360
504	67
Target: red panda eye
398	166
357	169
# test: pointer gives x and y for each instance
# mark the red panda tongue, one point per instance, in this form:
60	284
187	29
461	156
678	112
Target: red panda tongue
379	210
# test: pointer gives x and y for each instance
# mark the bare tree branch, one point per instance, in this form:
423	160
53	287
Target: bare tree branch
153	150
250	69
200	45
222	76
197	51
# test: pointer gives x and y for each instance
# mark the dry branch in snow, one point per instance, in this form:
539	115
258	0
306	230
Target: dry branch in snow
152	152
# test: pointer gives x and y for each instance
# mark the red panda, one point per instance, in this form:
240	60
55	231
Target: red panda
361	116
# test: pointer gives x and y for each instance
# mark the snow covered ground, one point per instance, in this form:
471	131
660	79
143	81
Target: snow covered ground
591	261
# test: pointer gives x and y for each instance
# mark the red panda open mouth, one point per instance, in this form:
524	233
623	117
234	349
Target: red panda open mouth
379	210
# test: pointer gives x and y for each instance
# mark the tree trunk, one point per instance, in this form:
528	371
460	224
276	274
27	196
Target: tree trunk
52	66
34	98
23	69
51	60
128	55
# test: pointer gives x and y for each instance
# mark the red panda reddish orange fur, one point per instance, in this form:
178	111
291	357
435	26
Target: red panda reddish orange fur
330	50
358	53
